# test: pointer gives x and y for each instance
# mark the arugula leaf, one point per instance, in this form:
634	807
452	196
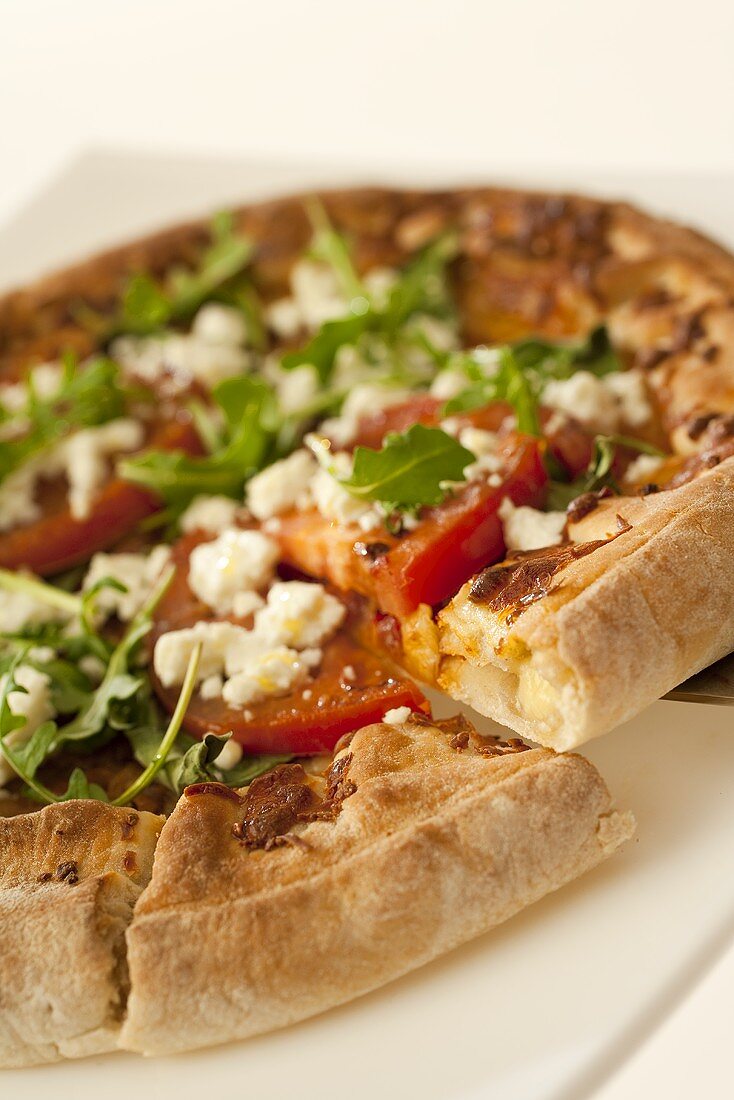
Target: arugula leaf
524	369
420	288
85	398
169	737
331	248
599	473
80	787
410	468
148	306
248	442
193	765
250	767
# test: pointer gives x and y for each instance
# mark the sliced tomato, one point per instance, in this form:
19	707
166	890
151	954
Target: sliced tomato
308	720
58	541
451	543
568	442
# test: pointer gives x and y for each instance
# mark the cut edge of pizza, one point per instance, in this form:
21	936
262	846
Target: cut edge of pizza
271	904
70	876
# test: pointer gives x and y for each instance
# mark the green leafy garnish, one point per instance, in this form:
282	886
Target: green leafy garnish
420	288
148	306
244	445
169	738
85	398
409	470
330	247
599	474
522	371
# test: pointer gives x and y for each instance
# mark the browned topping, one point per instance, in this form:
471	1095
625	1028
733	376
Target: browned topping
218	789
68	872
460	741
128	825
277	801
586	503
45	876
711	353
648	489
698	426
722	429
649	358
511	586
688	331
371	550
490	746
273	804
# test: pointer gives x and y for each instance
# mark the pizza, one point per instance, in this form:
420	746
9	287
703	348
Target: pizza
267	482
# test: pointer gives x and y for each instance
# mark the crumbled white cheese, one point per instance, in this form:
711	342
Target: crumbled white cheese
631	392
272	673
397	716
18	505
284	317
34	704
606	403
211	687
334	502
180	358
235	561
86	458
316	291
282	486
173	650
246	603
361	401
83	457
297	388
46	380
18	609
643	468
529	529
137	572
484	445
230	756
298	614
378	283
213	514
218	324
448	383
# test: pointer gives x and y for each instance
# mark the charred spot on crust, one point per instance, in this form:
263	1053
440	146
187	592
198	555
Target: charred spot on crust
67	872
219	790
585	504
283	797
128	825
648	489
510	587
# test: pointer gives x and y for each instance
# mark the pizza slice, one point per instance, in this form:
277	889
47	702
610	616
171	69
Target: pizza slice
70	876
274	902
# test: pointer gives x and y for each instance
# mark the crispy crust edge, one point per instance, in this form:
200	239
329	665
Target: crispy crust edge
209	972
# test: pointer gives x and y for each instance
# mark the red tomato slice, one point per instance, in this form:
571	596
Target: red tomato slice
333	705
569	443
428	565
58	541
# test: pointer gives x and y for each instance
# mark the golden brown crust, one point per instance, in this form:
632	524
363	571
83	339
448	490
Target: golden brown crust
69	878
434	845
619	627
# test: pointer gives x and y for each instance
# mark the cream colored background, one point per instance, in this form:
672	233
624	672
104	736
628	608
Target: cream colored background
620	84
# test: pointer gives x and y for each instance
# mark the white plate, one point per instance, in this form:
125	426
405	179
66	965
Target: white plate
553	1002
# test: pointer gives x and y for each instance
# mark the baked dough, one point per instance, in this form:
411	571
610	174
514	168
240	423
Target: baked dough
434	843
529	263
69	878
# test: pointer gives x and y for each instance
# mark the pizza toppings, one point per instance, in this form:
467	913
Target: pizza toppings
234	563
344	464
